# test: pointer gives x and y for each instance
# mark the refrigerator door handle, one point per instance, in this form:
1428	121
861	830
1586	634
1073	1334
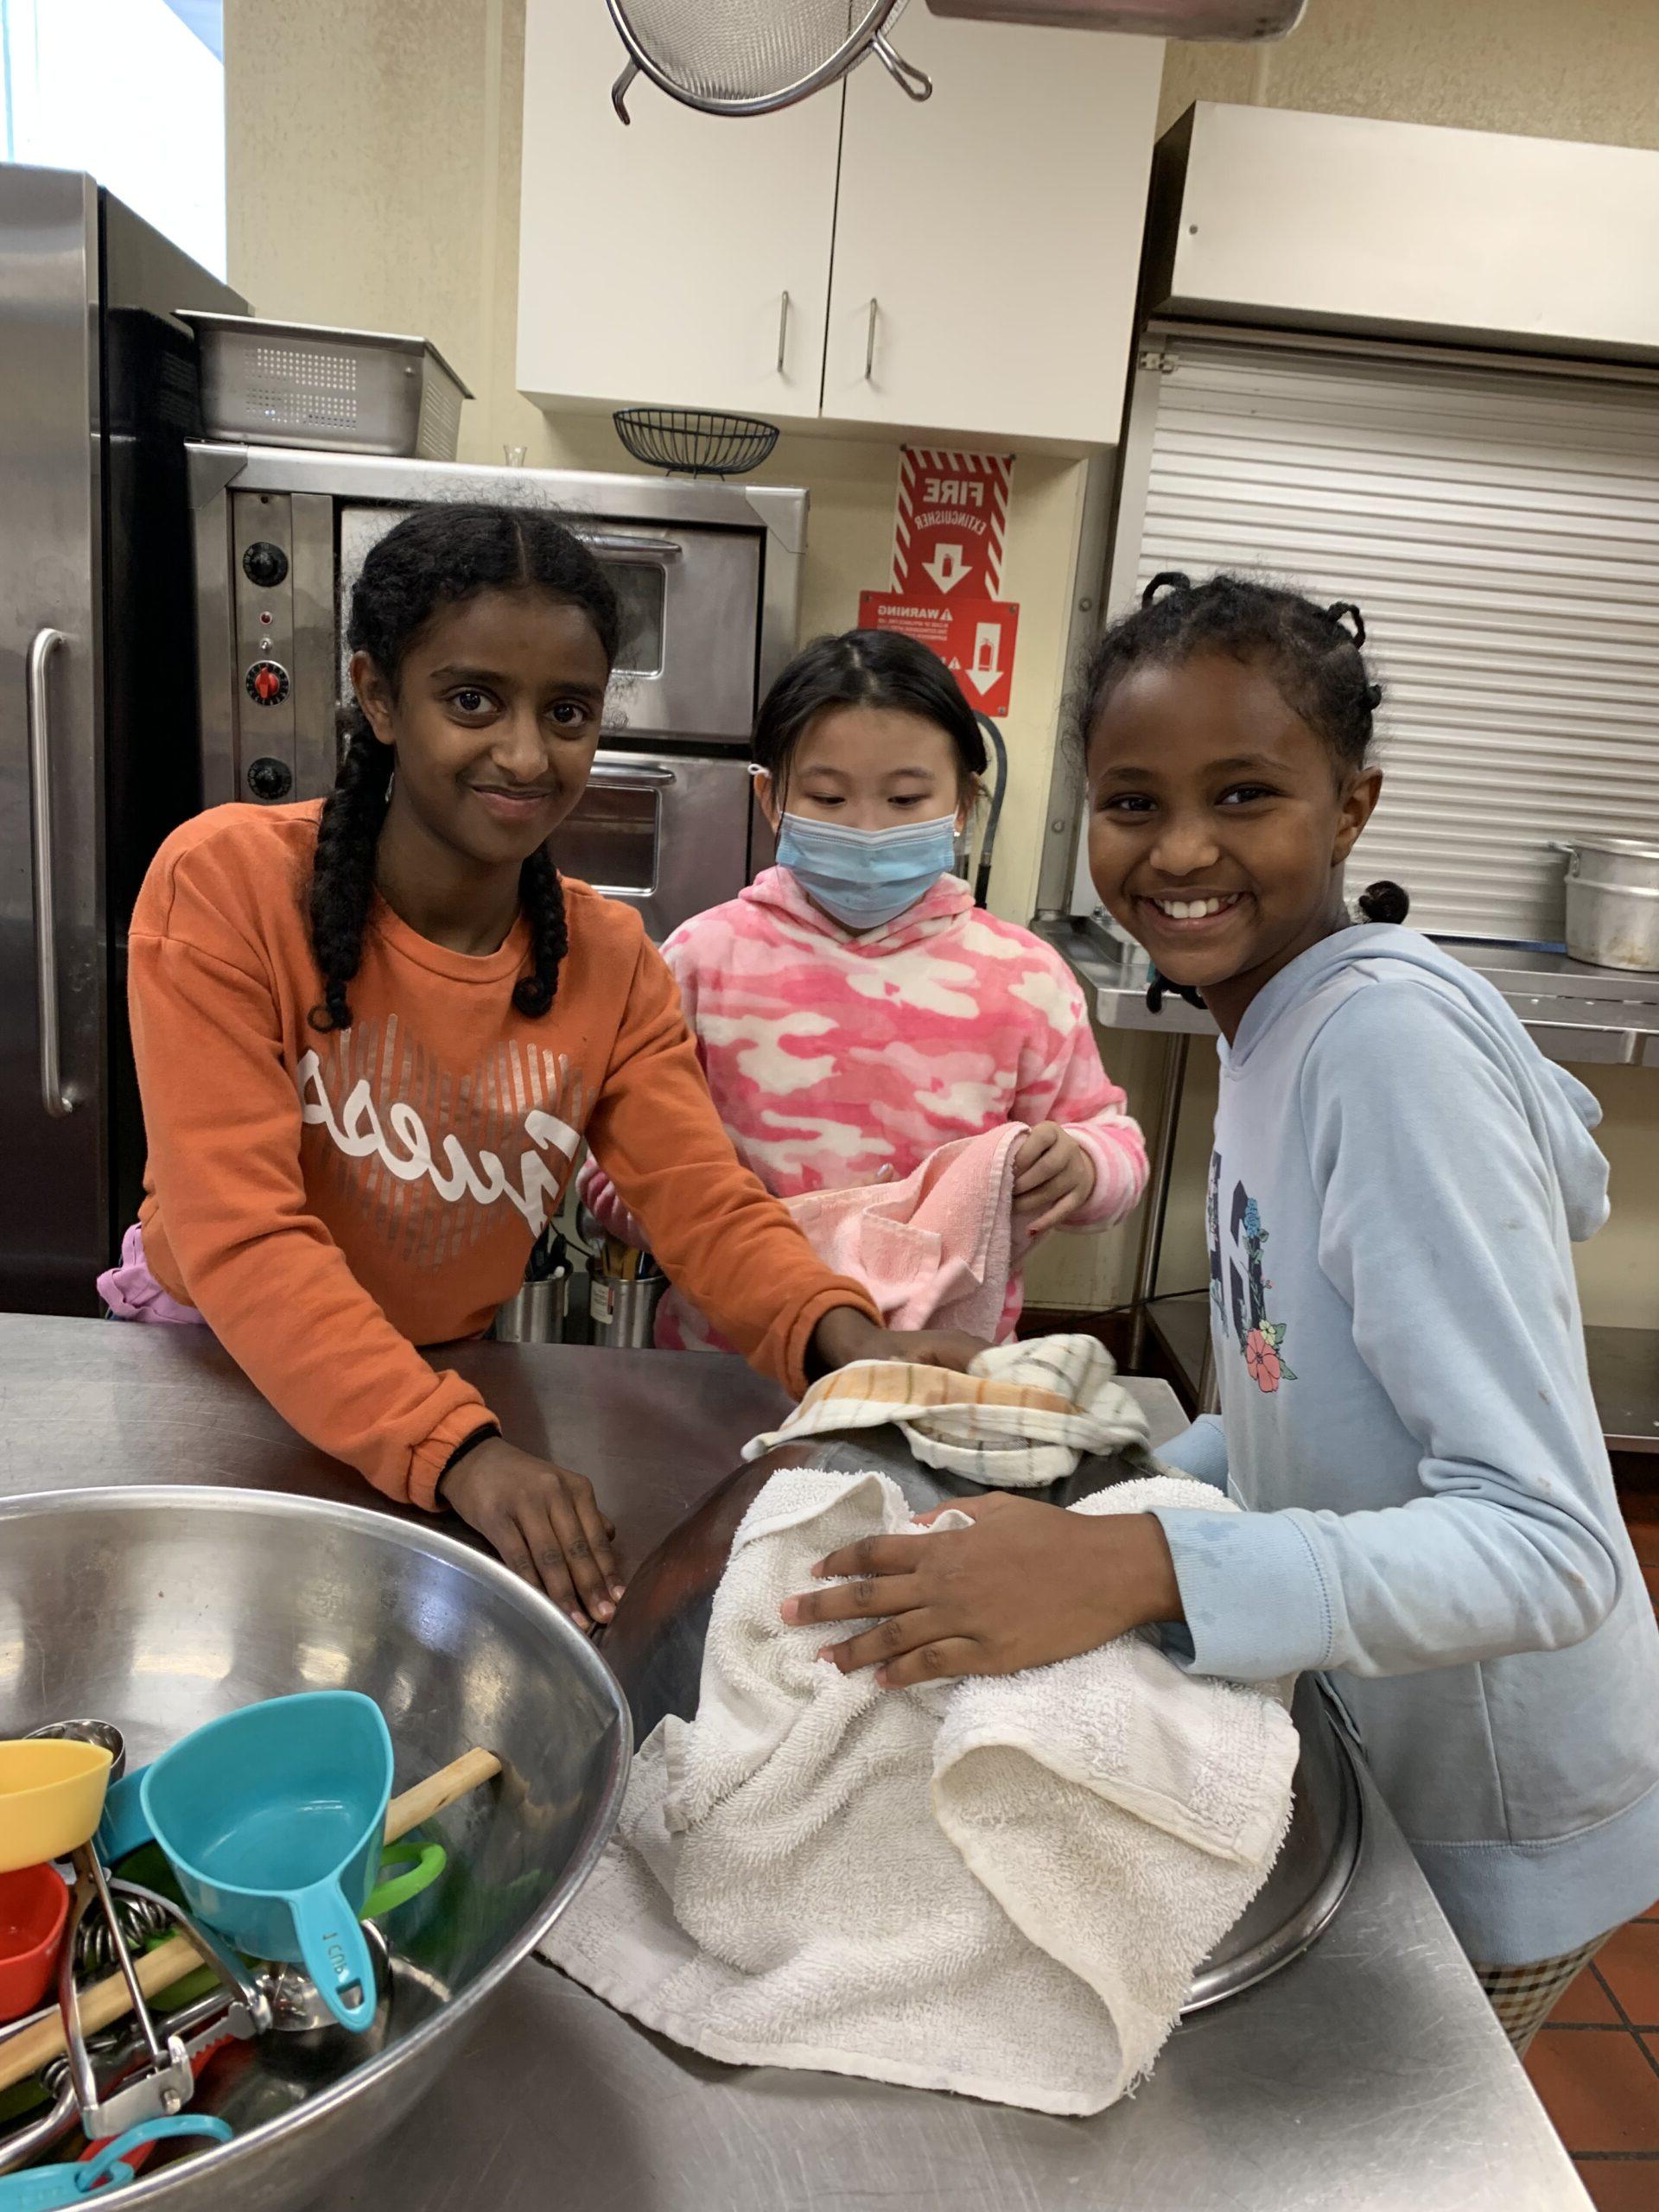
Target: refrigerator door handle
56	1100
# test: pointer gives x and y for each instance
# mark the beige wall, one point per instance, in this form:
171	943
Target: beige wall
1585	69
372	151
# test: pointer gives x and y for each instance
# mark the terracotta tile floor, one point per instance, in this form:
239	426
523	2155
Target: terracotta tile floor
1596	2065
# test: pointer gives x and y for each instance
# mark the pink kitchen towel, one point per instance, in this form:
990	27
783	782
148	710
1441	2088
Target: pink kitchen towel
937	1251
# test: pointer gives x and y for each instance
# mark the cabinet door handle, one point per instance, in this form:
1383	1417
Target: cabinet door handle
55	1099
782	330
870	343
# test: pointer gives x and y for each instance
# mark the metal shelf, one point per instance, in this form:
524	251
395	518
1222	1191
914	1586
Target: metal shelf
1582	1015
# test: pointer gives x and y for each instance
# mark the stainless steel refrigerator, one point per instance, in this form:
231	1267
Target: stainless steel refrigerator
98	751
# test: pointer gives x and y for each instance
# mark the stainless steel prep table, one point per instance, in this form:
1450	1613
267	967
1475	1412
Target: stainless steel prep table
1369	2075
1582	1016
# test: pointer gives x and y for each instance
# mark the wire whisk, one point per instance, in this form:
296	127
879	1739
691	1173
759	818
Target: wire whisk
142	1919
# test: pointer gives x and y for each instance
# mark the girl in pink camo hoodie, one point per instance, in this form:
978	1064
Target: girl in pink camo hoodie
853	1010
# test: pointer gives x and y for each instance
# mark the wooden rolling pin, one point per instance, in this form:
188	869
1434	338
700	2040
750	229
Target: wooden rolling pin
170	1961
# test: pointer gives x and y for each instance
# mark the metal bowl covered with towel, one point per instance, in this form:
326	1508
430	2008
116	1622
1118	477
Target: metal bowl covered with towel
158	1609
655	1647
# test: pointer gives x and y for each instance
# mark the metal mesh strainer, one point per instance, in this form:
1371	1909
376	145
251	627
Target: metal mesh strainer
747	57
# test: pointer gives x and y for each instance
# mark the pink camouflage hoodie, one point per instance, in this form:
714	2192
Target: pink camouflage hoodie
837	1059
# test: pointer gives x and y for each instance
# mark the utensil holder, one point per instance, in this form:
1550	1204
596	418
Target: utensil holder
538	1314
624	1309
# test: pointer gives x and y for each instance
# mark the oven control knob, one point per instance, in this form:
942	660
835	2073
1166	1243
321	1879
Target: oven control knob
264	564
267	683
270	779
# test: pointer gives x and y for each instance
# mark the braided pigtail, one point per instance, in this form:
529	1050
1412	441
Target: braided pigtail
541	896
342	878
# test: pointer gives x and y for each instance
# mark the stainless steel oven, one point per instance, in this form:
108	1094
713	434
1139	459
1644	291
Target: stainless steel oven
709	580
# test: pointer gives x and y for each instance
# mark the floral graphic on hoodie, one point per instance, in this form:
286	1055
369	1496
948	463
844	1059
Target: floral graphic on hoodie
1241	1290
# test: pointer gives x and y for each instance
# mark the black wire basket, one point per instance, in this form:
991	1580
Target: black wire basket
687	441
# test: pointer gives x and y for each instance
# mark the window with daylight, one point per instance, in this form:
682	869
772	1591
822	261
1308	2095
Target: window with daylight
133	92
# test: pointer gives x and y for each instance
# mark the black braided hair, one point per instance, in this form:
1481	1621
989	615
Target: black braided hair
438	557
864	668
1315	654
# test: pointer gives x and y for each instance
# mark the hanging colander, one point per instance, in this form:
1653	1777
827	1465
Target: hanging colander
747	57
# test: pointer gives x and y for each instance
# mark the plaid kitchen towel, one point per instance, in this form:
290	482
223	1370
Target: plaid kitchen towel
1022	1417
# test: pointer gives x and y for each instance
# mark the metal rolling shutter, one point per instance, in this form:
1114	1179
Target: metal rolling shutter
1500	528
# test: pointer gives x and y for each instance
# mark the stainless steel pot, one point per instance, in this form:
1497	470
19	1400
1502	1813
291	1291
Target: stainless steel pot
1613	901
160	1609
655	1647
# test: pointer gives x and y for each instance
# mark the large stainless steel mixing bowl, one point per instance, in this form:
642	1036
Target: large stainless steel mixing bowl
655	1641
158	1609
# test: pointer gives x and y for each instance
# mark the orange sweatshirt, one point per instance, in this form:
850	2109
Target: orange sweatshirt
329	1202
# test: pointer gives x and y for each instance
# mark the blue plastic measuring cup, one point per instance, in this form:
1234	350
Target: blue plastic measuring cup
273	1819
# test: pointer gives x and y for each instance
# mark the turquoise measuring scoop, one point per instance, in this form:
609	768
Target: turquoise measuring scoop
273	1818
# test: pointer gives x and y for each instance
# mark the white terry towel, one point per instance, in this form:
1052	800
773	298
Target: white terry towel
1022	1417
1001	1886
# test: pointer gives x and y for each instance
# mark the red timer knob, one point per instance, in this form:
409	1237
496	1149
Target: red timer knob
267	683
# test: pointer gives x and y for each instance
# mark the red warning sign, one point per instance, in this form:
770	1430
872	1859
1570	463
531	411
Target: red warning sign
950	525
974	638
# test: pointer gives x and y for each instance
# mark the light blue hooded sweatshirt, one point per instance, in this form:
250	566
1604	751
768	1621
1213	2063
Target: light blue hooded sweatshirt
1398	1178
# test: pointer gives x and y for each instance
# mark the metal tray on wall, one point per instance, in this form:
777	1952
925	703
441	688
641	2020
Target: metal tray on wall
654	1646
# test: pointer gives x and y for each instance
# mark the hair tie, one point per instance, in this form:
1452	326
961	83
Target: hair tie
1373	696
1171	577
1346	606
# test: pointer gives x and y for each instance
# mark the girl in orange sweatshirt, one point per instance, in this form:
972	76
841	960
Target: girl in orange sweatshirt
372	1034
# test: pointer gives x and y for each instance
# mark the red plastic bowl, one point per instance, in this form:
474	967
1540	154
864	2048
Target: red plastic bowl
34	1906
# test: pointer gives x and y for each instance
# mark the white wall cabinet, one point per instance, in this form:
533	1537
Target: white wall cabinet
965	266
654	260
988	241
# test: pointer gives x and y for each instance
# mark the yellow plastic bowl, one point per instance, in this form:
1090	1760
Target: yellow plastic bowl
51	1800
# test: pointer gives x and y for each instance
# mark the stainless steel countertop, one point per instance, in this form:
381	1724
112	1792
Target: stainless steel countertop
1575	1013
1369	2075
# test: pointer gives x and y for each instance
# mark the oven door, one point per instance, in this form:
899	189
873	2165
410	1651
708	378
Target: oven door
668	832
691	620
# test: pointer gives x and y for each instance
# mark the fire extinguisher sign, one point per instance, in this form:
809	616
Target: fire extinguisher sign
952	518
948	534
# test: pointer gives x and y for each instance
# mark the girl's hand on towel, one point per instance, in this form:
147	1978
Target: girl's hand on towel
1053	1176
845	1335
1027	1584
545	1523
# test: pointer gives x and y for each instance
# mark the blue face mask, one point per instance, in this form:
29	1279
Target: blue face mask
866	877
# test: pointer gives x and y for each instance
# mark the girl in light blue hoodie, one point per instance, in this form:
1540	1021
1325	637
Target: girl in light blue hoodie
1398	1178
